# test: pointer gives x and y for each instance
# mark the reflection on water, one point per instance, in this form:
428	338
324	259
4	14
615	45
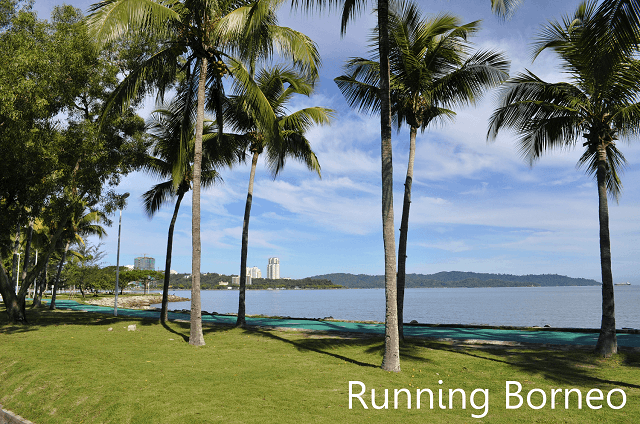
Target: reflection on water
519	306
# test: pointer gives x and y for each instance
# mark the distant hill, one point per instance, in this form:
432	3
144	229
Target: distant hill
459	279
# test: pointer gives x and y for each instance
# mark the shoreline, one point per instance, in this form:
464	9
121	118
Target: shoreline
134	302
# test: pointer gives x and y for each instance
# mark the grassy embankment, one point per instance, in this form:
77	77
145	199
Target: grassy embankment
67	367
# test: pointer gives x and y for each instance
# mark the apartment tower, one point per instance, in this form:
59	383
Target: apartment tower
273	269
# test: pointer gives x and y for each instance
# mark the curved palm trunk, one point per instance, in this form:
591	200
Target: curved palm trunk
54	292
391	359
164	314
607	341
404	229
196	337
245	244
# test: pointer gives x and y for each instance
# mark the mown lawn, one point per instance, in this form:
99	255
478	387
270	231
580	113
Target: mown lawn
67	367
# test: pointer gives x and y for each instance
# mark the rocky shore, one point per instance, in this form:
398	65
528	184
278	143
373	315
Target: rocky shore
134	302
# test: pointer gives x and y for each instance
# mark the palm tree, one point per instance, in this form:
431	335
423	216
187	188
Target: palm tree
432	69
599	104
276	87
165	129
87	224
350	8
202	32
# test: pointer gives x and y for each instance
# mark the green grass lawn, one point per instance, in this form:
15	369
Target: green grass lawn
67	367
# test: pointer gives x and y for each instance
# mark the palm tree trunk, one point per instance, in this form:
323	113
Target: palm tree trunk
164	314
607	341
54	292
196	337
240	322
391	359
404	229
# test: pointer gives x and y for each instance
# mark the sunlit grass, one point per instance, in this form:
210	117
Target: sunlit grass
67	367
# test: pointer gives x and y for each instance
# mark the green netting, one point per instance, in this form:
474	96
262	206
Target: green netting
551	337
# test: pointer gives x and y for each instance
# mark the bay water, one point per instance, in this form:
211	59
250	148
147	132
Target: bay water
578	307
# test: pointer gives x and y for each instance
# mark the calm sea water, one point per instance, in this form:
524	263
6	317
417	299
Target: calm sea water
520	306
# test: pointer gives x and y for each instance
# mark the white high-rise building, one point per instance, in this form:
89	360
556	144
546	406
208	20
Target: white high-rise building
273	269
254	272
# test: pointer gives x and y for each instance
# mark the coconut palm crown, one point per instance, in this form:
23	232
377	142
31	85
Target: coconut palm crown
165	128
274	87
597	106
433	69
196	33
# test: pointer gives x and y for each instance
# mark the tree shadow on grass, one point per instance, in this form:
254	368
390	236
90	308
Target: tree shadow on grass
323	345
43	317
325	342
566	367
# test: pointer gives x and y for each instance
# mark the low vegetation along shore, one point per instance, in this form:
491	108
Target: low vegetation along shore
70	367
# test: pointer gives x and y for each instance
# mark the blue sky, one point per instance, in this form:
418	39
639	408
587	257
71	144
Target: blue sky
475	206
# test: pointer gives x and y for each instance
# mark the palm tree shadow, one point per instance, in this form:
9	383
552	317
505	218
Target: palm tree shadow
315	345
171	330
561	366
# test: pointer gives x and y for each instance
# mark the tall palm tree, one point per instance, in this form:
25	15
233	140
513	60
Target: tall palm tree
201	31
165	129
598	103
350	8
432	70
276	87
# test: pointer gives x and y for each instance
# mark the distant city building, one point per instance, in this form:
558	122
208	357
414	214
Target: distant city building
129	267
273	269
145	263
254	272
235	280
173	272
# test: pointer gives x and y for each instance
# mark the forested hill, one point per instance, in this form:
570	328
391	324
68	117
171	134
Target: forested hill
459	279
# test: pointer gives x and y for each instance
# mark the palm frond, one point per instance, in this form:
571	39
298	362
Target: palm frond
621	19
361	87
156	196
158	71
504	8
110	19
614	166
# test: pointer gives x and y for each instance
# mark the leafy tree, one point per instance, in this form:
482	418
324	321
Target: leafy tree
54	170
140	275
433	69
598	103
276	86
83	270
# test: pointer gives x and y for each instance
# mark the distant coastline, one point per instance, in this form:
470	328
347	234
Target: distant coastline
458	279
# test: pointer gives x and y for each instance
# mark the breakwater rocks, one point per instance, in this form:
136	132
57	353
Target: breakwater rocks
134	302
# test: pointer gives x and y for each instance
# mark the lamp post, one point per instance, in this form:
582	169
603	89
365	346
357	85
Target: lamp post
115	302
18	273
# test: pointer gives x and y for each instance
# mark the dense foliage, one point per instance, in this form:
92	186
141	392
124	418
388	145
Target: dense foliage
211	281
61	155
